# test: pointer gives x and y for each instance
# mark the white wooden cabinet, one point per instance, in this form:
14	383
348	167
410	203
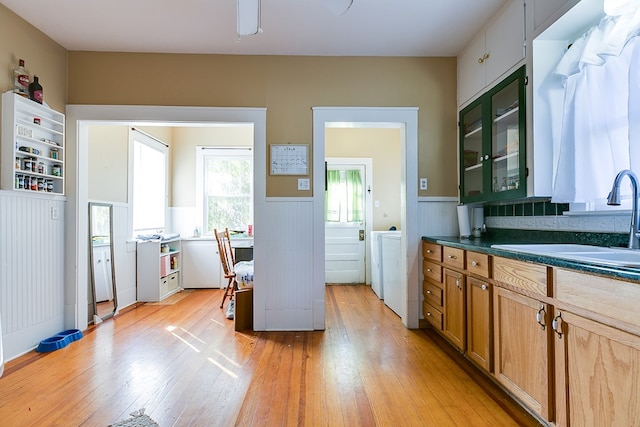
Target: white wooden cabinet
493	52
158	272
200	264
32	146
540	13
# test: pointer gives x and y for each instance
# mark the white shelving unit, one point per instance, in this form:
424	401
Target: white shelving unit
158	272
32	146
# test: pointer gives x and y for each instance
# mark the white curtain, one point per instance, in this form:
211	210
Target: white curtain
598	118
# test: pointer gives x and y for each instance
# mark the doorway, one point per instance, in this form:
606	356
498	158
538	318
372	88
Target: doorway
405	119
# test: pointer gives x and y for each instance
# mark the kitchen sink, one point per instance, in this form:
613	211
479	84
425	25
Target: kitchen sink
620	257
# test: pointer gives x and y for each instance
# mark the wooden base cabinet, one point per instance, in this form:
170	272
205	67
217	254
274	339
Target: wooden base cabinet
522	344
597	372
454	308
479	323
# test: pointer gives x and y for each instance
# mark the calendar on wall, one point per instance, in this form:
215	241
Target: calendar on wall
289	159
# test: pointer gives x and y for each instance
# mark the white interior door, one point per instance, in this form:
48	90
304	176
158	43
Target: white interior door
345	238
344	253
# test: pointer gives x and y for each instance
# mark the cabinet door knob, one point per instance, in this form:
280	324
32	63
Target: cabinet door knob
428	314
429	270
483	58
428	292
483	287
429	251
486	157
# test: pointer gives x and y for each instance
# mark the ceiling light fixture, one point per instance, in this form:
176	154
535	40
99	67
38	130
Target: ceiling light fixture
248	18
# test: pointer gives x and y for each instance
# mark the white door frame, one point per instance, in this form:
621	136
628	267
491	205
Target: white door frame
78	119
405	118
367	162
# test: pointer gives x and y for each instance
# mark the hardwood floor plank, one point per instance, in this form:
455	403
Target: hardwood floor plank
185	365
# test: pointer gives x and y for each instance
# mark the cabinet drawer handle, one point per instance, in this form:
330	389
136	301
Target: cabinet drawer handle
555	324
474	264
428	314
483	58
483	287
429	270
429	251
452	257
540	316
428	292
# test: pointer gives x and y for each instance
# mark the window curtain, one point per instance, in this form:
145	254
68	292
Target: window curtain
344	198
598	119
332	197
355	197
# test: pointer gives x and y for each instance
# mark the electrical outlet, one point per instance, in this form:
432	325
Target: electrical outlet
54	212
304	184
423	183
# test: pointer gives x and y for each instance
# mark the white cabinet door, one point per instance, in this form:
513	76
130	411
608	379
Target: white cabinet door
200	264
471	70
505	41
493	52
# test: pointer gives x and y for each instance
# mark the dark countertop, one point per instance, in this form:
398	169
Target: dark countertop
483	245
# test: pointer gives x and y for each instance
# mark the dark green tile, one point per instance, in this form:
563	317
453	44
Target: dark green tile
528	209
519	209
538	209
549	208
561	207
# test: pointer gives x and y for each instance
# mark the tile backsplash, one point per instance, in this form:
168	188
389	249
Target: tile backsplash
544	215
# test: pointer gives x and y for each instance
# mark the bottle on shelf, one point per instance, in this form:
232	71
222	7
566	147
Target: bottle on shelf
21	80
35	90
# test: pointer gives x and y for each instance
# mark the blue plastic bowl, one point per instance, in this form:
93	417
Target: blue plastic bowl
52	343
71	334
58	341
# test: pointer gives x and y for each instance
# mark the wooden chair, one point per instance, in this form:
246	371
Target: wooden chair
227	261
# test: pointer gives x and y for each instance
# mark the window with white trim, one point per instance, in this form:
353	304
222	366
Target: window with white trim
149	159
226	180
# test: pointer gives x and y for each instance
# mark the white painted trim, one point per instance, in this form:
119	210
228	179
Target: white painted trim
405	118
78	118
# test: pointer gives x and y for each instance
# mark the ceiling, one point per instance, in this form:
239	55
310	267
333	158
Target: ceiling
289	27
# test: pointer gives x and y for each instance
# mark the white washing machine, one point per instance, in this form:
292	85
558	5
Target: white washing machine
392	280
376	260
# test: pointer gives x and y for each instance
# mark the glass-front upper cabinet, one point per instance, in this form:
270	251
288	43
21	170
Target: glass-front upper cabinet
492	143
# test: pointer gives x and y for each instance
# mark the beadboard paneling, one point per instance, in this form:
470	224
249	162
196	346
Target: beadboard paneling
31	270
288	270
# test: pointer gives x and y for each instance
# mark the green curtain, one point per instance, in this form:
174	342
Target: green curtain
355	196
344	200
332	197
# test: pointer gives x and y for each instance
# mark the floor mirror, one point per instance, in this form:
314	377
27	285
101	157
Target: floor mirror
103	293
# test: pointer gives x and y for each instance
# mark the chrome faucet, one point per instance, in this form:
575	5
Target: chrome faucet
614	200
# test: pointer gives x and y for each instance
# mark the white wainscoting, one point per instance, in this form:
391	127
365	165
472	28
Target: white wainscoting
283	256
437	216
31	269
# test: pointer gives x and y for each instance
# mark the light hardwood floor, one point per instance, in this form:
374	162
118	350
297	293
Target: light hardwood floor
186	366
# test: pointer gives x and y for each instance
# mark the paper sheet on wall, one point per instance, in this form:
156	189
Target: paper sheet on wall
289	160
